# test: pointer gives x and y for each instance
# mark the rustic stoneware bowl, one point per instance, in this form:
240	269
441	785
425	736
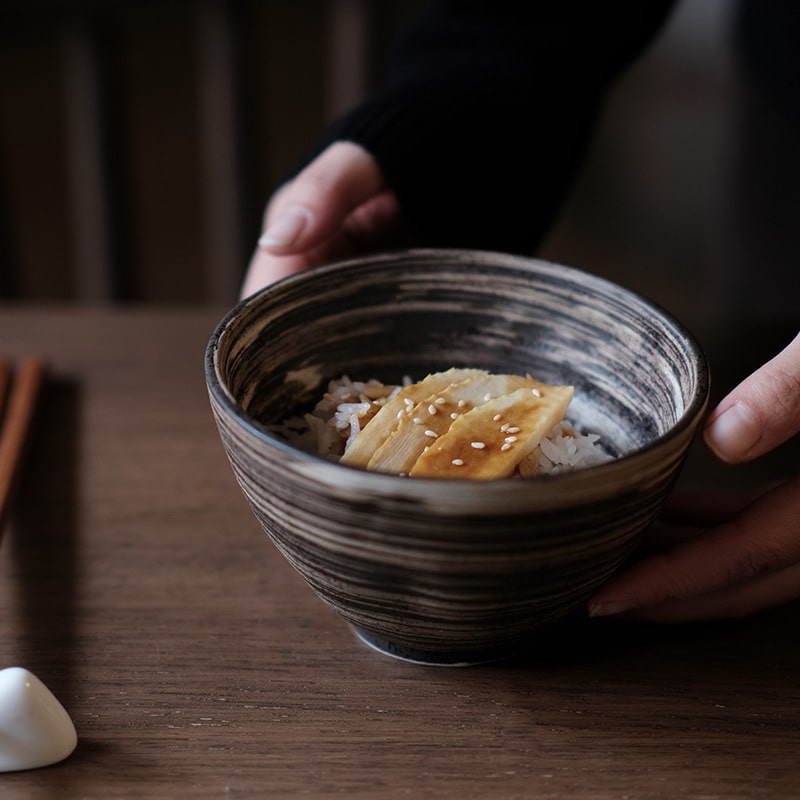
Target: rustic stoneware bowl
447	571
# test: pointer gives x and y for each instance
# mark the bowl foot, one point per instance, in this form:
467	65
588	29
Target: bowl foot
429	659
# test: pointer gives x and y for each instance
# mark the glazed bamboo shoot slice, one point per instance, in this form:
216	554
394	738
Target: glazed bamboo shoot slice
373	434
480	446
432	417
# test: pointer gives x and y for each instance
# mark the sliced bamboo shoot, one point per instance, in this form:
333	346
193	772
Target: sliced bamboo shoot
432	417
491	439
373	435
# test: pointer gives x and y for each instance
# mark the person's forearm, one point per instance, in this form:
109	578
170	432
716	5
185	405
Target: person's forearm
487	108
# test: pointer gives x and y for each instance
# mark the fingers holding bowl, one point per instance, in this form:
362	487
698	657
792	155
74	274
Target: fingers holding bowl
761	413
738	568
338	206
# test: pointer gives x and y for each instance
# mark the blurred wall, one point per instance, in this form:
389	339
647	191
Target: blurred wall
140	140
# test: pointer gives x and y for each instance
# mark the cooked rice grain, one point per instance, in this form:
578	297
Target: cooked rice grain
348	405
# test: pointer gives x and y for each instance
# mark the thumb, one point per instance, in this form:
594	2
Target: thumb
313	206
761	413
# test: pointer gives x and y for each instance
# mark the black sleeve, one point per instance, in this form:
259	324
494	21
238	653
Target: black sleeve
487	108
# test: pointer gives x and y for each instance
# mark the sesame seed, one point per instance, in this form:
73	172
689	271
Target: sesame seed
431	409
487	397
496	418
535	392
425	449
399	414
454	415
506	446
432	434
408	401
417	421
510	439
477	445
439	401
504	427
462	403
515	429
457	462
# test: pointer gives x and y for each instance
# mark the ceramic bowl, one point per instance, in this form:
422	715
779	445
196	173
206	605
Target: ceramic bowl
449	571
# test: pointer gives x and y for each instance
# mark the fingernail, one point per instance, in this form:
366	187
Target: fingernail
607	608
285	229
733	433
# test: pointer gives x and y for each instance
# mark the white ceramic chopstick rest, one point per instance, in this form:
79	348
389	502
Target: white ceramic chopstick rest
35	729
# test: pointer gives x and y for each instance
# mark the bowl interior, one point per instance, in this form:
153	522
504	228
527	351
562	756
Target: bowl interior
638	374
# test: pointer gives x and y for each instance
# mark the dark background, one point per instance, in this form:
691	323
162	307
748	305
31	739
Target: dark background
140	140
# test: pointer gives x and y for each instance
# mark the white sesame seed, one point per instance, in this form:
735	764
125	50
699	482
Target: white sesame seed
509	439
408	401
439	401
457	462
504	427
462	403
432	434
431	409
535	392
487	397
453	415
417	421
477	445
425	449
515	429
506	446
399	414
496	418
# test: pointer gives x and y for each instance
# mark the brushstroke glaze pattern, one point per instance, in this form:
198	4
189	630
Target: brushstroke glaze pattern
451	571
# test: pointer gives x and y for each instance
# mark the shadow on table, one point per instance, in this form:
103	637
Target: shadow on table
43	542
762	642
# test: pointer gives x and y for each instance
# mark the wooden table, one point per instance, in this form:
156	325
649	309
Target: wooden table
195	663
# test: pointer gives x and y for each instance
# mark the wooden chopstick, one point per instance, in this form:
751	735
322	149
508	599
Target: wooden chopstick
5	380
19	393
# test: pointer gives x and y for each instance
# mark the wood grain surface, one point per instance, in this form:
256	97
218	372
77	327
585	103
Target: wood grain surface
136	584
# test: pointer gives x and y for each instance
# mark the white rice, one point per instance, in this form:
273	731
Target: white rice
563	450
337	419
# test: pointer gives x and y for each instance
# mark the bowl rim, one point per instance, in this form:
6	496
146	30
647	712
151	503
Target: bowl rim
328	470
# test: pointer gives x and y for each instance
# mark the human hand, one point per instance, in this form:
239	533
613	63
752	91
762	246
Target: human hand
339	205
748	559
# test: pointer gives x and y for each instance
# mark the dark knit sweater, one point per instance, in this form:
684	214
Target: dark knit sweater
487	108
